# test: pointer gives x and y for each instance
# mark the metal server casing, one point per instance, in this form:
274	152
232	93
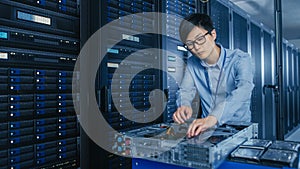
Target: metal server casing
208	150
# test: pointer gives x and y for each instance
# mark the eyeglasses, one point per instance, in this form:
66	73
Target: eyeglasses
200	41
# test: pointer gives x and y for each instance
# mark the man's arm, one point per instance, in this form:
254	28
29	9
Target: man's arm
185	97
187	90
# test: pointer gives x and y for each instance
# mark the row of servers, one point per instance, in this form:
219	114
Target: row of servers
291	86
236	29
39	44
127	77
128	90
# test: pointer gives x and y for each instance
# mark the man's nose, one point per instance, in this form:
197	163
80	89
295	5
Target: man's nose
196	46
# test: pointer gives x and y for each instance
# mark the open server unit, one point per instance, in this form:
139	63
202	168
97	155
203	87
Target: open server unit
166	143
39	46
232	145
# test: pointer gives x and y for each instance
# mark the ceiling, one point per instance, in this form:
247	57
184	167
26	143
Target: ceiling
263	11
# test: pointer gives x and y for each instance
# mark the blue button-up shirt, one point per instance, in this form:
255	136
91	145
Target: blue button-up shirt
224	88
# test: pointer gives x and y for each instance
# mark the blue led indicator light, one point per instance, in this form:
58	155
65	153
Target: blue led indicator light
3	35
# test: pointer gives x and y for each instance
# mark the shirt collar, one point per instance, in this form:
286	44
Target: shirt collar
220	61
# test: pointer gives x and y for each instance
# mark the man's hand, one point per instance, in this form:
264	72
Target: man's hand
200	125
182	114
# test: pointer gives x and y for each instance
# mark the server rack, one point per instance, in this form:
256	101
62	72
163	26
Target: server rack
240	29
291	87
219	12
289	57
111	85
37	54
268	71
175	55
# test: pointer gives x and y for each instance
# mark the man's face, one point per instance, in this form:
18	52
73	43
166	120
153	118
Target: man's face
203	49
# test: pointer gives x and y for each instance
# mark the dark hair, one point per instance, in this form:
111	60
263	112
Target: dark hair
197	19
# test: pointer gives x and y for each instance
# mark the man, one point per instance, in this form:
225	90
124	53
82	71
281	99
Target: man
222	77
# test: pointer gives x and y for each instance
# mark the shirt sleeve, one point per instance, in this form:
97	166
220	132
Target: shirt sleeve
237	99
187	90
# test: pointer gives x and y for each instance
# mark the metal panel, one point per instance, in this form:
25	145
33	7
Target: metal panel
240	29
298	86
256	100
289	88
285	86
295	85
64	6
206	151
268	72
29	17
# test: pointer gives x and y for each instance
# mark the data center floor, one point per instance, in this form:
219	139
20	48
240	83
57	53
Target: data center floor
294	136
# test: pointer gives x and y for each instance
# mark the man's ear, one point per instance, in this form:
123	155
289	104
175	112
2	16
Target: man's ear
214	34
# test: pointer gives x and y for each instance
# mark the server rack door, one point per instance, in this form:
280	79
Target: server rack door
256	99
240	32
285	69
289	88
295	84
269	109
220	15
298	87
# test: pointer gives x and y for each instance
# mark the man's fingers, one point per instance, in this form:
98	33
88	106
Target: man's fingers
190	130
189	115
183	114
188	133
180	118
195	128
198	131
188	112
177	118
